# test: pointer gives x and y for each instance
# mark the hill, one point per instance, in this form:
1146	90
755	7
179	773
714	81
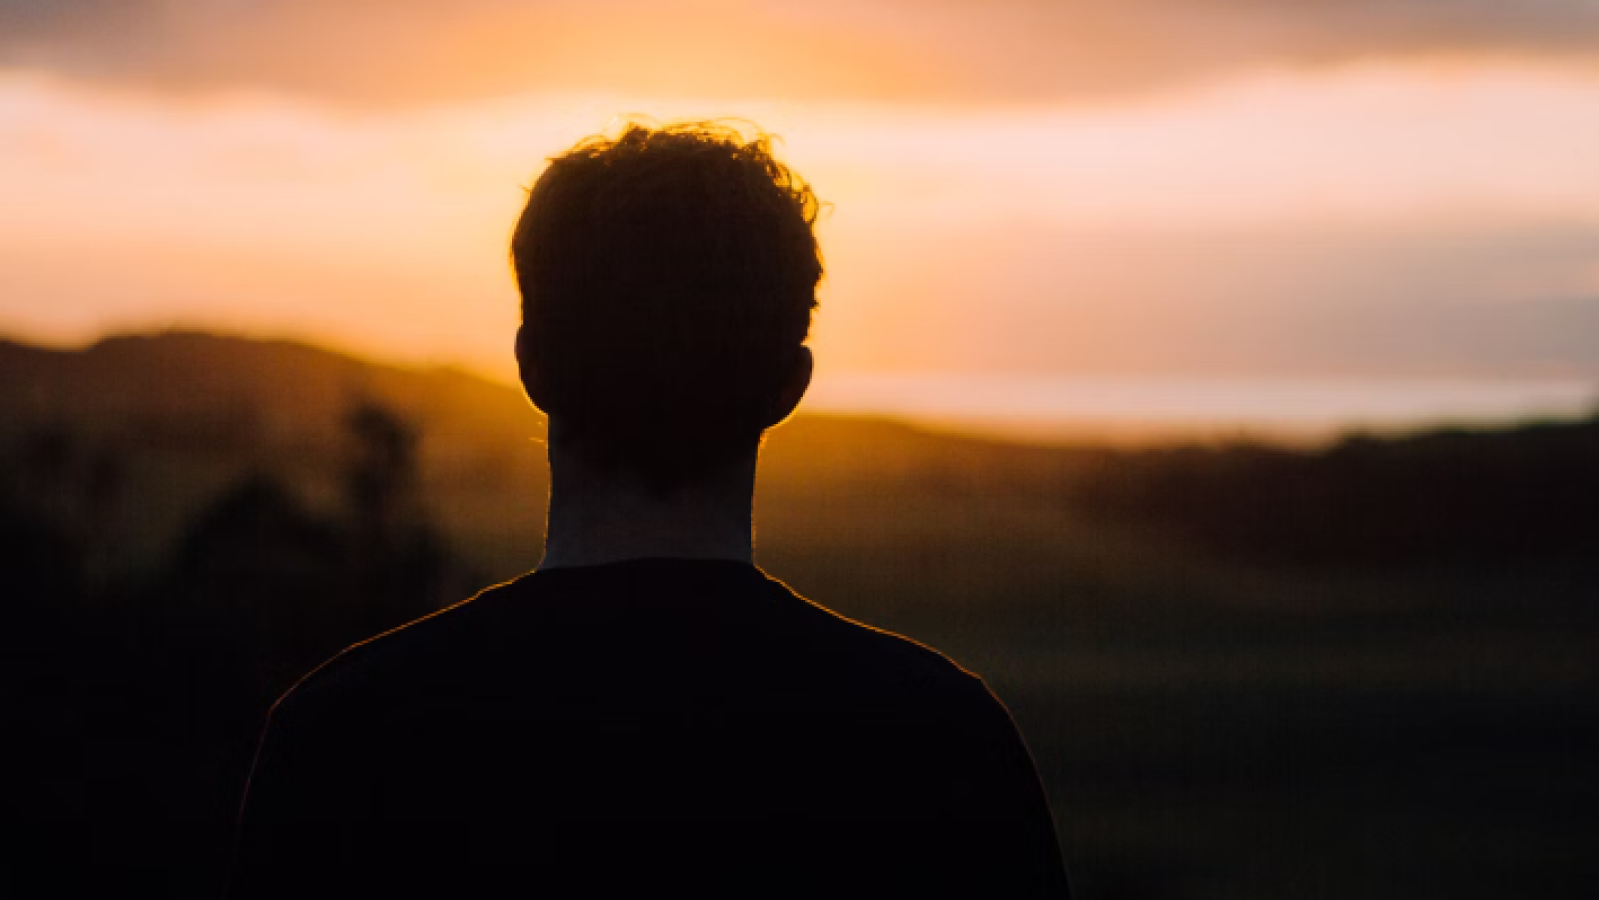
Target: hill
1233	663
186	411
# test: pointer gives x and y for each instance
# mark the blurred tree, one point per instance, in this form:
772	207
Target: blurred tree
267	577
381	476
401	569
290	587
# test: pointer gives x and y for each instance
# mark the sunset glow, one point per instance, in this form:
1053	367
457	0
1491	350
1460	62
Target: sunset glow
1430	216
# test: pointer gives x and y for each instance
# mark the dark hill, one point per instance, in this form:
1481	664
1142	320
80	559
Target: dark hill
184	413
211	405
1243	671
189	382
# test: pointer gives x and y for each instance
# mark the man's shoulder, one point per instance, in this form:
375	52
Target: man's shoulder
398	660
903	663
893	648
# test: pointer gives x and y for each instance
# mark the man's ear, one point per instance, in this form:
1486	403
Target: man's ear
795	383
525	369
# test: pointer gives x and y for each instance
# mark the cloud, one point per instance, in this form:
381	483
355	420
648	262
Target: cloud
414	51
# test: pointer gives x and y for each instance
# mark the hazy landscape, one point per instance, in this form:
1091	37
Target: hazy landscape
1244	671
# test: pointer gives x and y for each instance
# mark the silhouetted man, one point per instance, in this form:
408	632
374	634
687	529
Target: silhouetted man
647	712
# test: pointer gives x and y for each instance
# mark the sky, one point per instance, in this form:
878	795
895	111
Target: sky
1194	191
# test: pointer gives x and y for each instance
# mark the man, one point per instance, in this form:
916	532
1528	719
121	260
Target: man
648	711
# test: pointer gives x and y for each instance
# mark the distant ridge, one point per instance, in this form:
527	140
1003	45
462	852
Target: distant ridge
190	412
291	388
286	386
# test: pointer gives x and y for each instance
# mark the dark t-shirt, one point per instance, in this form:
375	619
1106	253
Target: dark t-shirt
654	726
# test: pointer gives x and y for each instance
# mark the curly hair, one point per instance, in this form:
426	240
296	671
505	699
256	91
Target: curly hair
668	276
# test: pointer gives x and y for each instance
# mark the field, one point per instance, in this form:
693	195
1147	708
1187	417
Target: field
1244	671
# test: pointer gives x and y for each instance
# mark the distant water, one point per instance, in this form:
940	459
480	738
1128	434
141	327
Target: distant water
1138	409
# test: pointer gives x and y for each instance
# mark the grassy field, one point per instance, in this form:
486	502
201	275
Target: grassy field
1244	672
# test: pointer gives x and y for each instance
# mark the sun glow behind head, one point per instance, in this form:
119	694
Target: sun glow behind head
1357	225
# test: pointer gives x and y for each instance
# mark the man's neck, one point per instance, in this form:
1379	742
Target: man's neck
597	517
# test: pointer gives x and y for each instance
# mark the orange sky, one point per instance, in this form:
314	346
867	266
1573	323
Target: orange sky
1182	188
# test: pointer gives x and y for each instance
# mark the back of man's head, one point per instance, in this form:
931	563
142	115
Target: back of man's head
668	277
